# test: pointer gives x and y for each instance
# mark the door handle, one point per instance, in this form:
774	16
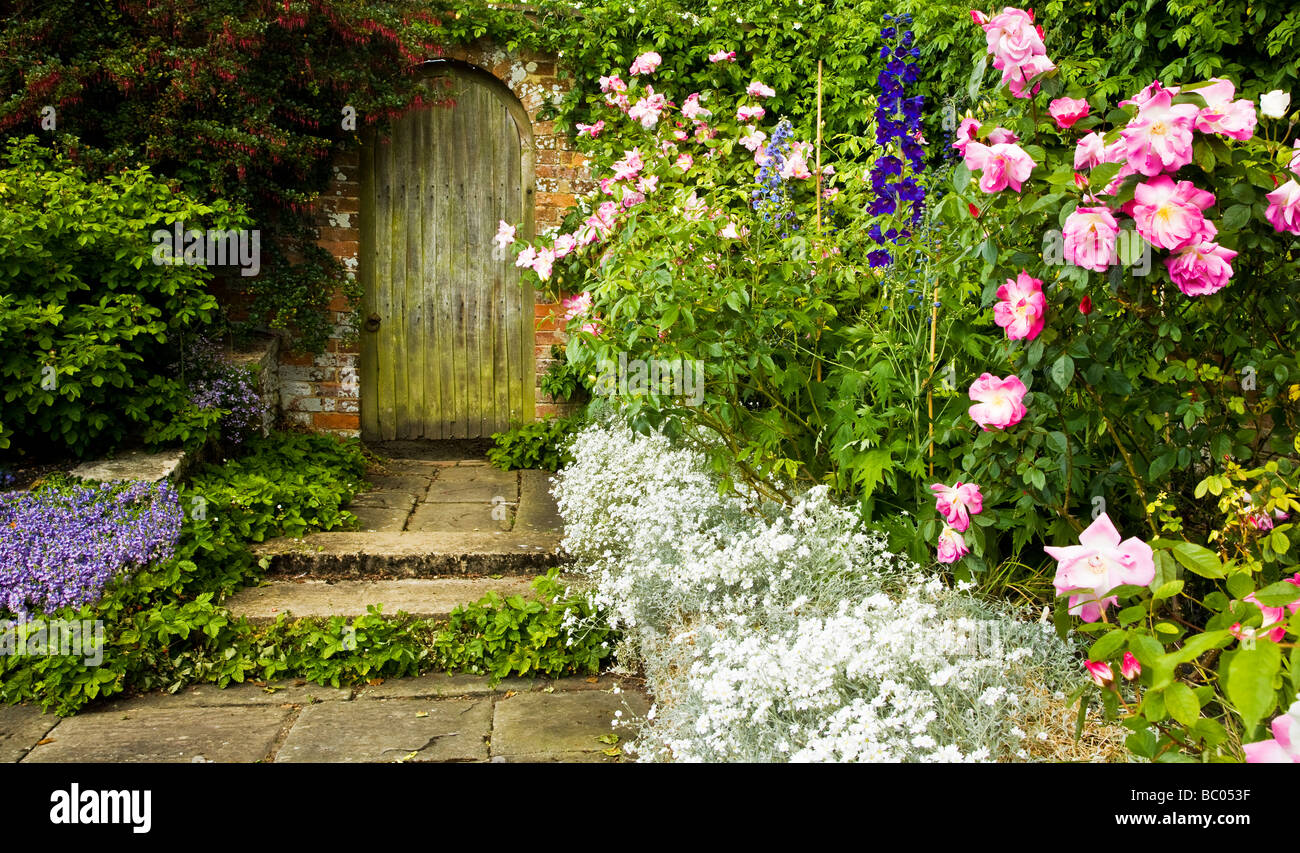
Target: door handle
372	323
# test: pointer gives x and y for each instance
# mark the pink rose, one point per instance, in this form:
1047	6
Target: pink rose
1153	89
956	503
1200	269
648	183
1284	746
1100	672
1223	115
1090	238
645	63
754	139
1275	617
1168	215
723	56
692	109
796	163
577	305
1129	667
1098	564
1012	37
1284	208
612	83
1018	77
1295	158
1089	150
952	547
1021	308
1000	402
1159	138
757	89
630	166
750	113
1001	165
542	263
526	257
648	109
1067	111
505	234
564	244
685	162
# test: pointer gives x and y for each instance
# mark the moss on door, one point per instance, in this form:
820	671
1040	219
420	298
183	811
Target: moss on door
447	337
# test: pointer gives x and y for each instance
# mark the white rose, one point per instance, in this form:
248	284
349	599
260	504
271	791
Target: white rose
1274	104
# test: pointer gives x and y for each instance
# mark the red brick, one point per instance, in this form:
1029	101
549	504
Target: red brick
336	420
341	235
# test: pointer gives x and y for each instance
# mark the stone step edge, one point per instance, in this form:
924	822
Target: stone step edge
411	555
439	601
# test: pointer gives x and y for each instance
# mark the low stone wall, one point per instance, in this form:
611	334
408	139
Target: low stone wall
263	356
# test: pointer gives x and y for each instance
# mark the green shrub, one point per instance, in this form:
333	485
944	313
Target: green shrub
541	445
86	316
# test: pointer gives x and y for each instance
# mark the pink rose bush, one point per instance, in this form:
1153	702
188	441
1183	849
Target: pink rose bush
646	63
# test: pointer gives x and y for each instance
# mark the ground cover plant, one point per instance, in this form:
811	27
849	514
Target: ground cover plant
790	633
152	564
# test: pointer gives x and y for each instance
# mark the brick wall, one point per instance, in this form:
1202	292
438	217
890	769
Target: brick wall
323	391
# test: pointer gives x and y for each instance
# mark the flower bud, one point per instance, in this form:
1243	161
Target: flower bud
1130	668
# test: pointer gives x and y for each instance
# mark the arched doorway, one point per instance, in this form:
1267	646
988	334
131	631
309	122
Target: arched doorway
447	337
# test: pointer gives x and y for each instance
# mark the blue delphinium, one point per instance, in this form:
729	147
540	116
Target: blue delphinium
898	128
772	198
61	546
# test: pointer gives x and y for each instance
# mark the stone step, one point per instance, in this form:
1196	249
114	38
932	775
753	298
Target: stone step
336	555
425	598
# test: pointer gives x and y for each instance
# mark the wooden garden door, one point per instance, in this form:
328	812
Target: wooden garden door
447	329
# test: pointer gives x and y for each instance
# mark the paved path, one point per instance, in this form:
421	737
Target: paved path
432	718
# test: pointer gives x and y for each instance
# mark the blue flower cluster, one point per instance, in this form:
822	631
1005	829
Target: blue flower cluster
772	198
898	130
214	383
61	546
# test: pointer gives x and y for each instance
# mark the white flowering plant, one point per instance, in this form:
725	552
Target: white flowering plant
791	633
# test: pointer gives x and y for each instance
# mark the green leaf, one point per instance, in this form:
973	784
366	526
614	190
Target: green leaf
1197	646
1062	371
1181	704
1168	590
1278	594
1102	175
1108	645
1250	674
1199	560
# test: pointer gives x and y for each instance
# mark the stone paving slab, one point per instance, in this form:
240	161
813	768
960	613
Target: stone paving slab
151	467
465	484
404	501
430	598
557	724
378	519
169	735
537	509
460	517
390	730
416	485
20	727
